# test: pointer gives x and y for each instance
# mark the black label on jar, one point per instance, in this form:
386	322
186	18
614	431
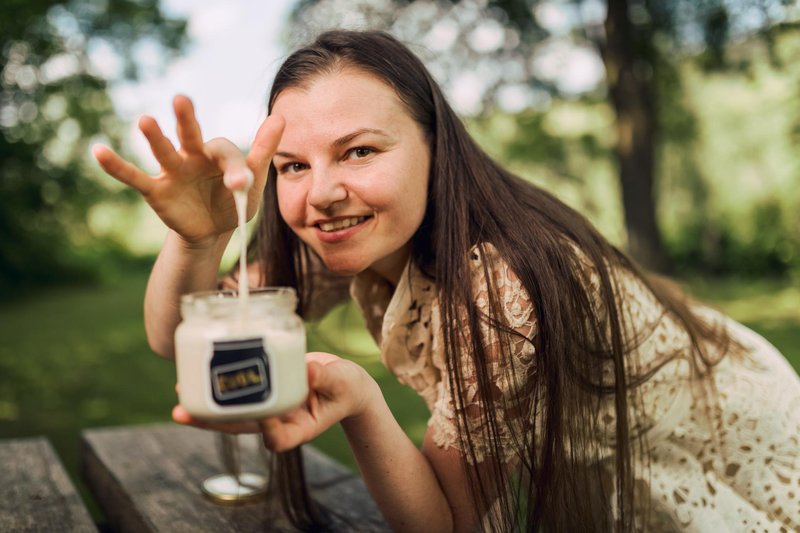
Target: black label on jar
240	372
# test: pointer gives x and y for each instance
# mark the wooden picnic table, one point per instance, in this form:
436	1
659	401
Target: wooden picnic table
148	478
35	491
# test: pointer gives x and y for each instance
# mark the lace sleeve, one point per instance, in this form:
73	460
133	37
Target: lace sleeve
656	346
508	375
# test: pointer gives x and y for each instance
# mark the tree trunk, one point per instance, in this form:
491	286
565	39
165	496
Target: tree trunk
633	97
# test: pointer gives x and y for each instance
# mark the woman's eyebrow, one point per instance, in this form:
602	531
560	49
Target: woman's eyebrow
345	139
287	155
341	141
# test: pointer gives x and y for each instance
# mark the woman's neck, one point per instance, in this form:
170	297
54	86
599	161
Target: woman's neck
392	266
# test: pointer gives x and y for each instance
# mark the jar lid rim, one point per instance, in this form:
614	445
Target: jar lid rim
259	294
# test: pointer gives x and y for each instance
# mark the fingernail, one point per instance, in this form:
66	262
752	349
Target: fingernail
180	415
239	180
249	178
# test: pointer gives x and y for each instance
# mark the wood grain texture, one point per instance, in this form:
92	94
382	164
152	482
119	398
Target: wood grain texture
148	478
35	491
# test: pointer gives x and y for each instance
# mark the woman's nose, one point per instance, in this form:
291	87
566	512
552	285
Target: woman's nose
327	188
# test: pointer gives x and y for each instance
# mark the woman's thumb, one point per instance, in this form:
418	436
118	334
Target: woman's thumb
316	375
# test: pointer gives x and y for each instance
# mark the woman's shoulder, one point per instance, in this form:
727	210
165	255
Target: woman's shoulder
497	286
488	266
490	271
486	261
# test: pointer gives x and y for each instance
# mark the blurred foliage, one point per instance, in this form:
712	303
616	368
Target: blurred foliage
728	167
729	176
727	171
53	104
501	42
683	51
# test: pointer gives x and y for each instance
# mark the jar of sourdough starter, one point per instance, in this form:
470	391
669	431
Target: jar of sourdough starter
239	360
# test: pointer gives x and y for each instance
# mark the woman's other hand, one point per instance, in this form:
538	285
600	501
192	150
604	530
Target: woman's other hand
192	194
338	389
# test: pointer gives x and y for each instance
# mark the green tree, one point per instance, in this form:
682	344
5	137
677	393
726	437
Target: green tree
639	41
53	103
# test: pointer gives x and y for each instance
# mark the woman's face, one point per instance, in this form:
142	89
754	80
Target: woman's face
353	169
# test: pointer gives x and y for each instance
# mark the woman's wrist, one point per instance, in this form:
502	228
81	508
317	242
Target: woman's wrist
213	246
369	405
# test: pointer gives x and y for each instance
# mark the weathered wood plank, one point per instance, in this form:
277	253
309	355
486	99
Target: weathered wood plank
35	491
148	478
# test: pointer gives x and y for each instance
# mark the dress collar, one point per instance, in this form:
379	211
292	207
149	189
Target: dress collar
384	306
379	299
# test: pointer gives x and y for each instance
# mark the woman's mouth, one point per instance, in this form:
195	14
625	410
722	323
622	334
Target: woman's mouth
340	229
344	223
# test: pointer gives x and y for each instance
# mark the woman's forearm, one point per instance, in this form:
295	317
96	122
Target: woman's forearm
180	269
398	475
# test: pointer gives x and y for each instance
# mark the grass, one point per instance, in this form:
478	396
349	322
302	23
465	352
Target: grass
77	358
769	307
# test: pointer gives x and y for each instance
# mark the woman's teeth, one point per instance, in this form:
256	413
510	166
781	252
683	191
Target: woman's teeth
341	224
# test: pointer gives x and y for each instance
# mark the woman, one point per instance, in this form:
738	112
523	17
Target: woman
567	389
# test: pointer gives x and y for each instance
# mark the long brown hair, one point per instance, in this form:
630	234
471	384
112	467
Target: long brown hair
473	202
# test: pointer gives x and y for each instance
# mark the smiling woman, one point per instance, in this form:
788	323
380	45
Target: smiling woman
353	168
568	389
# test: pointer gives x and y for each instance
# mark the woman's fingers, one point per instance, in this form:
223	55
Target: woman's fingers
122	170
326	375
287	432
188	128
225	154
264	146
314	369
272	433
277	434
162	148
322	358
180	416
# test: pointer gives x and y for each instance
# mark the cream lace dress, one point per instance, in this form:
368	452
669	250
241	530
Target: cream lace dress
734	467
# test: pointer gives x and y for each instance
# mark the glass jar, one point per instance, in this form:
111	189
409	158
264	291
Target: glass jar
238	362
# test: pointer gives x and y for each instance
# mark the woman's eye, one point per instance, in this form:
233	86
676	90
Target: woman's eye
359	152
293	168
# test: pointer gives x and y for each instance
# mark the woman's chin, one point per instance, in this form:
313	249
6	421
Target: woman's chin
344	267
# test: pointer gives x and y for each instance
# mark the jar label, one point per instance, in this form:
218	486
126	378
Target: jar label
240	372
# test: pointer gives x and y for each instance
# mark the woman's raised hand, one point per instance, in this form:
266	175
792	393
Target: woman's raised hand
338	389
192	193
